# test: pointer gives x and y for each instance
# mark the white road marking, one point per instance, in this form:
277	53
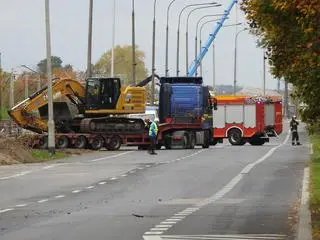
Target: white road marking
59	196
304	227
114	178
219	237
124	175
43	200
53	166
158	229
6	210
102	183
21	205
109	157
225	189
90	187
156	233
160	226
16	175
76	191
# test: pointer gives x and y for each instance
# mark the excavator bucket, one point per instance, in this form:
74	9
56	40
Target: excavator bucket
61	111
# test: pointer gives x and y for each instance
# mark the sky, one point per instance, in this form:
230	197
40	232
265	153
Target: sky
22	36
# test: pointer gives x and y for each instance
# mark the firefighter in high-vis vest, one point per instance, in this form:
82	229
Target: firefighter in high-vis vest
153	133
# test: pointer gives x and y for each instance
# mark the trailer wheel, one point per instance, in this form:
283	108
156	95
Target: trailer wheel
167	143
114	143
63	142
97	143
81	142
142	147
158	146
43	142
256	141
234	136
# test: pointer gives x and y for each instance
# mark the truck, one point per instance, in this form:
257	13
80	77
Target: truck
95	116
244	119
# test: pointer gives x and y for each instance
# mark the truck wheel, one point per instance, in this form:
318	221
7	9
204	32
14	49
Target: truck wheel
97	143
192	141
256	141
63	142
43	142
185	141
81	142
234	136
114	143
206	140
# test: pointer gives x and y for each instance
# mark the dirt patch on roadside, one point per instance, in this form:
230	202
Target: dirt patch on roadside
13	152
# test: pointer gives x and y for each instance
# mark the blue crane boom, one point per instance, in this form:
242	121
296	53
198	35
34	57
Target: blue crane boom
194	66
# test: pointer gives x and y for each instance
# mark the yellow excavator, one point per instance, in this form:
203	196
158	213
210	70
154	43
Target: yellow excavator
100	106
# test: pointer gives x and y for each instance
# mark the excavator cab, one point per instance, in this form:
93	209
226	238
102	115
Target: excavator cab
102	93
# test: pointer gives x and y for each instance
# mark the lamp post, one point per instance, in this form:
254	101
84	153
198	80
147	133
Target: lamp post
39	76
113	37
187	31
153	50
235	61
167	38
196	37
89	40
264	73
51	133
178	30
133	46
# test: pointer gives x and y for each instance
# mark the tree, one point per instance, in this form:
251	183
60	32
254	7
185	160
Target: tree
289	30
55	61
122	64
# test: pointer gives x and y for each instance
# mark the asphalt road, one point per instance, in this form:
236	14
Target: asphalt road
224	192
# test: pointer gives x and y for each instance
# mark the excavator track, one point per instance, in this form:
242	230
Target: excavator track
112	125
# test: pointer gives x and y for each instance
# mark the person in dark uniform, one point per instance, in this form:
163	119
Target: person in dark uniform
294	129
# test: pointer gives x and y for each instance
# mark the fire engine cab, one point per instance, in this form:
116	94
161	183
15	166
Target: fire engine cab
244	119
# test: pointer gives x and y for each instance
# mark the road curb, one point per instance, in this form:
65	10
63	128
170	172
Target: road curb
304	227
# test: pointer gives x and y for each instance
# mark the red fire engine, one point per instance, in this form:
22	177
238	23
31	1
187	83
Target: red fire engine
244	119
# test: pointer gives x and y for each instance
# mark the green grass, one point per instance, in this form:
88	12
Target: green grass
4	113
43	155
315	186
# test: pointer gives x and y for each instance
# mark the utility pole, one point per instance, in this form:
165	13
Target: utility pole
153	50
51	127
11	97
286	99
89	70
113	37
133	46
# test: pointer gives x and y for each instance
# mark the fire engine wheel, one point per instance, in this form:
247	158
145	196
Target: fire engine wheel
235	137
97	143
81	142
63	142
256	141
114	143
43	142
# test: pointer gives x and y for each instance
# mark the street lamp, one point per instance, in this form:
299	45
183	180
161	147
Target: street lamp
196	37
113	37
39	76
235	61
167	38
187	32
178	31
153	50
133	46
51	133
89	73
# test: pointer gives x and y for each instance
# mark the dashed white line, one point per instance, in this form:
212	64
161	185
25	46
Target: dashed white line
102	183
221	193
16	175
59	196
113	156
163	226
158	229
21	205
124	175
114	178
90	187
6	210
76	191
43	200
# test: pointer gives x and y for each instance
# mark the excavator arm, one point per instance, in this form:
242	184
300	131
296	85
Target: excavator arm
29	114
